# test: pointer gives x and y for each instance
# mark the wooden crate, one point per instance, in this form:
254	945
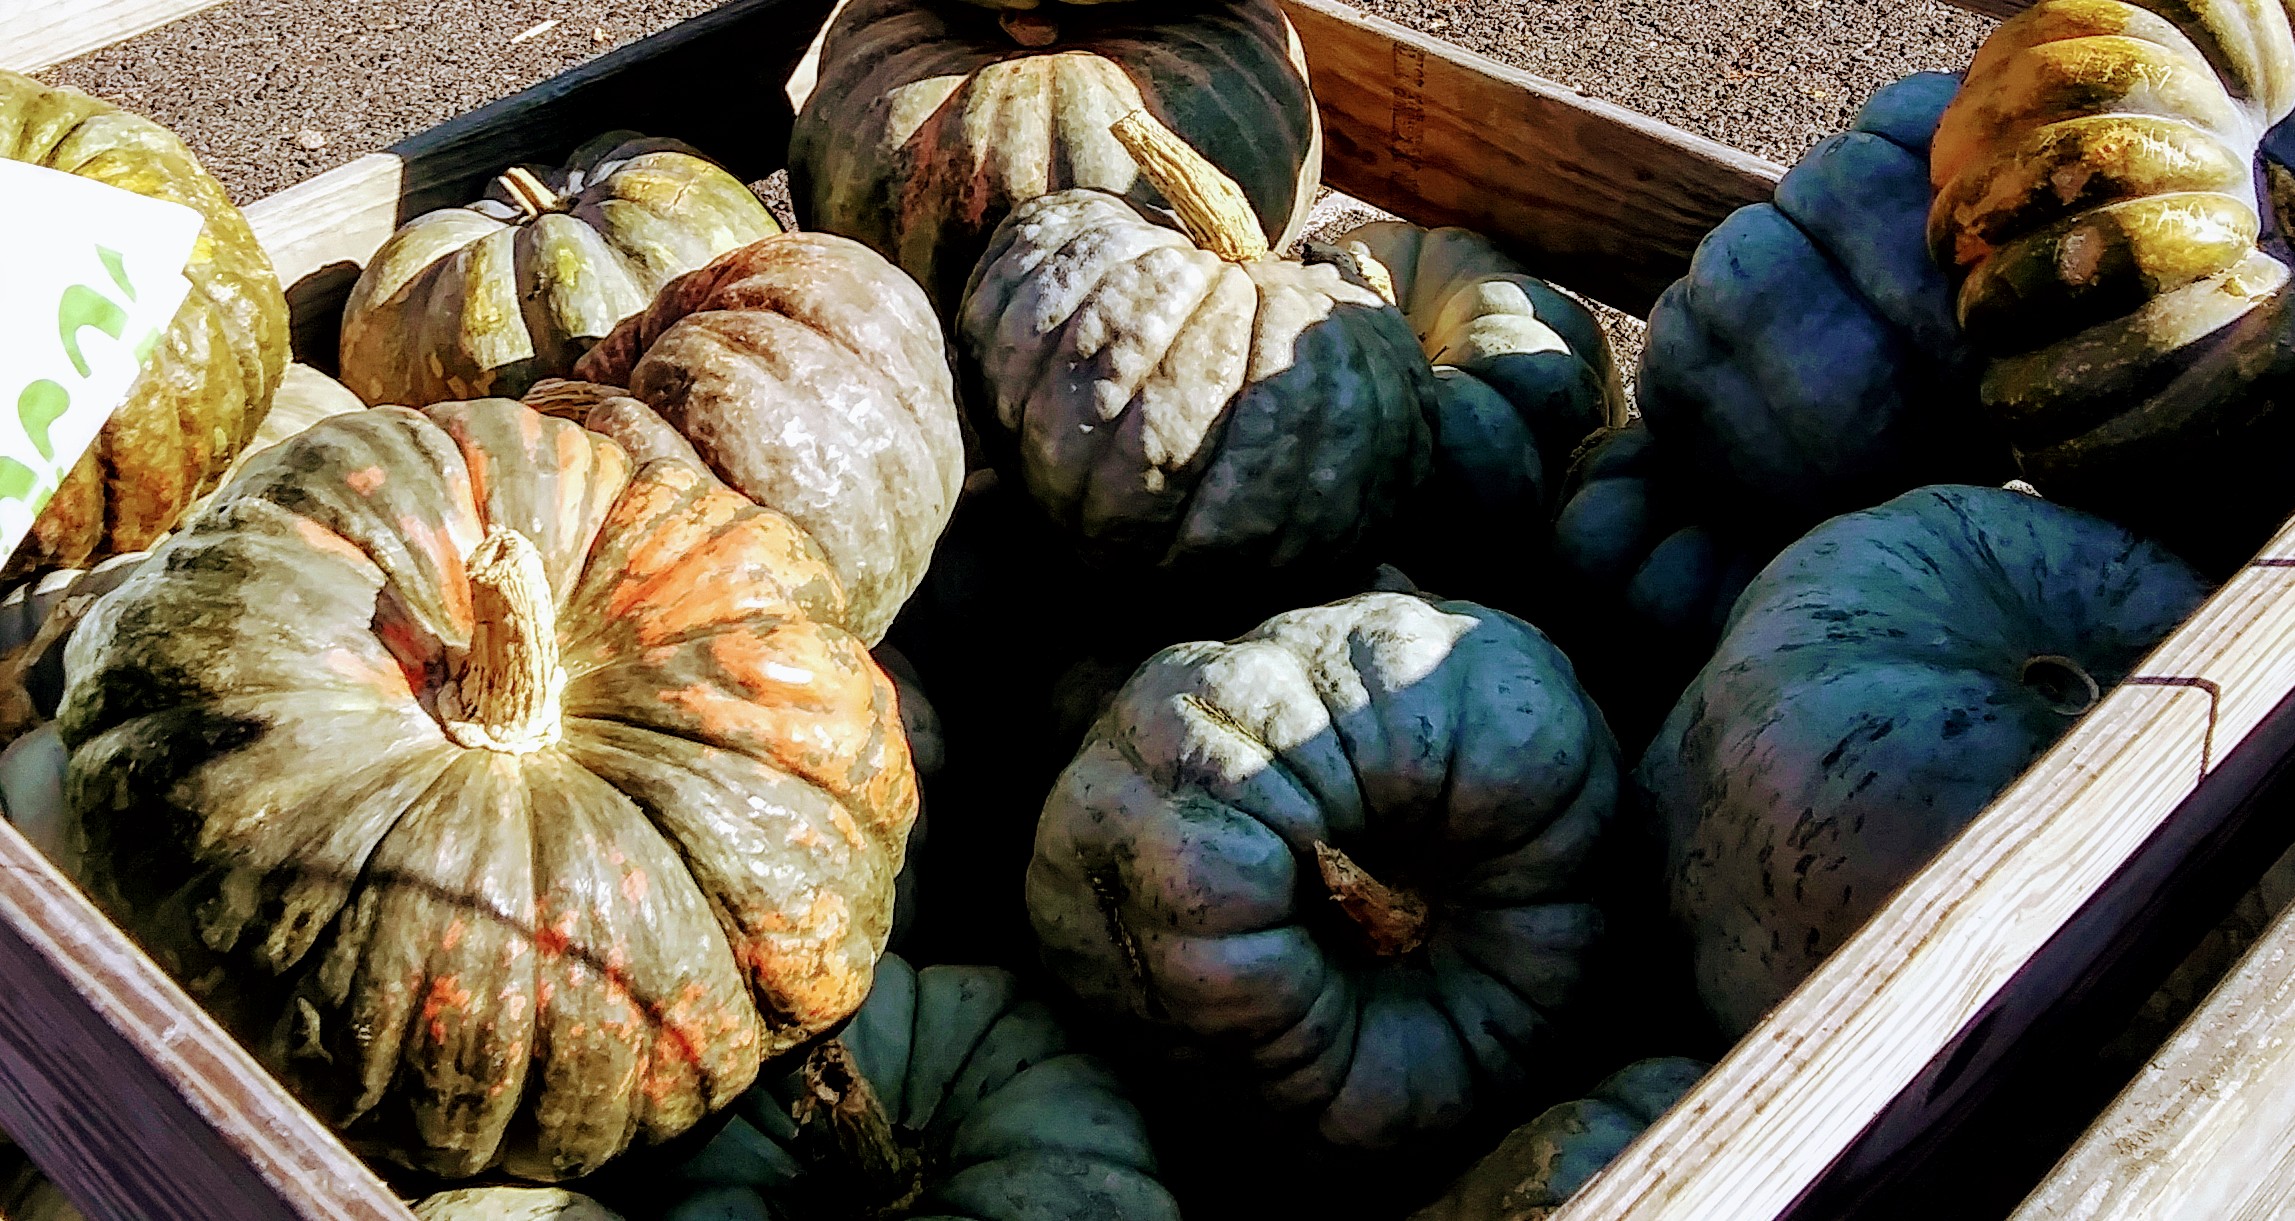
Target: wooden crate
2103	855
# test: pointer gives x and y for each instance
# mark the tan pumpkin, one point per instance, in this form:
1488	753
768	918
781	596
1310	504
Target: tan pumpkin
929	122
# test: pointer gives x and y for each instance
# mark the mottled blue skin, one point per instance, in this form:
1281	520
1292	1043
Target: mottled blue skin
1810	362
1868	698
1012	1122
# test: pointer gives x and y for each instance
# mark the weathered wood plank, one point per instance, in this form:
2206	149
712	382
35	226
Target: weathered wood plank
36	34
2002	9
135	1102
1591	195
1940	984
714	81
2206	1131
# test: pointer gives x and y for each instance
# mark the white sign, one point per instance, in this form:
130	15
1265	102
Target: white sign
90	277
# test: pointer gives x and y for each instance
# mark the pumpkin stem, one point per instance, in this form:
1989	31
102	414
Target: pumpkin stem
1393	920
1031	30
505	695
2063	682
530	193
1209	205
841	1120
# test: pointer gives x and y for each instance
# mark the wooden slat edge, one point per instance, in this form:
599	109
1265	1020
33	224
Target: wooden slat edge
2207	1128
129	1096
1888	1023
1596	197
36	34
2000	9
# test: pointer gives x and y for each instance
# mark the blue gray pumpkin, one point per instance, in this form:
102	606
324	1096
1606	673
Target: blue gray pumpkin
1879	682
949	1097
1810	362
1340	852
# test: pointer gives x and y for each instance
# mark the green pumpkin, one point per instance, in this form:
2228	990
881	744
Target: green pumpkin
930	122
1541	1164
2100	205
511	803
512	1204
1183	399
1342	850
1880	681
490	298
950	1096
206	386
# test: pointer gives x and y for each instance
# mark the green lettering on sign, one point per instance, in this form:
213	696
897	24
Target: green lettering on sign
40	405
82	308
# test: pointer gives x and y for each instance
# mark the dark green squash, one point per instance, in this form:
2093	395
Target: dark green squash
950	1096
1879	682
1341	854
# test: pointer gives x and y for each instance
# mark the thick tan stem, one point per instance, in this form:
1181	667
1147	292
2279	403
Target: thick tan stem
531	194
851	1140
1031	30
1209	205
505	694
1393	920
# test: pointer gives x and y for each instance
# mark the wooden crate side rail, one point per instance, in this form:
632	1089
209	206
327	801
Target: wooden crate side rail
36	34
1926	991
1601	199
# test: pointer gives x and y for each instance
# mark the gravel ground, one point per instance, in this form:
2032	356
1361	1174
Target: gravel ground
270	92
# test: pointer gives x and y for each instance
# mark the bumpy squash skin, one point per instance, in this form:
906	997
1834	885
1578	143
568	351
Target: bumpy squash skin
1446	748
492	297
929	123
2104	206
810	376
1810	363
1868	698
466	958
1523	372
1540	1165
1169	408
1013	1122
512	1204
205	389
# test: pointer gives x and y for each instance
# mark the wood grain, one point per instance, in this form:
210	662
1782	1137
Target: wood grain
714	81
1938	987
36	34
127	1095
1605	201
2207	1128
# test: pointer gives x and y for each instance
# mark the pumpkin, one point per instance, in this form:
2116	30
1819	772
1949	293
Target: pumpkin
1184	399
510	803
512	1204
306	396
1523	372
26	1194
1340	850
1880	681
929	122
809	375
927	751
1541	1164
205	387
951	1094
1641	583
36	619
2097	204
1809	363
491	297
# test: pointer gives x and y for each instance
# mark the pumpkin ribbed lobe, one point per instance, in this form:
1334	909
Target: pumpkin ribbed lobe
506	695
1393	920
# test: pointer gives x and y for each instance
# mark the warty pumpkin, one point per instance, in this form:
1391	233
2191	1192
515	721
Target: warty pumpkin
2102	206
491	297
510	803
1343	851
950	1096
1185	399
512	1204
207	384
1810	363
929	122
1881	680
809	375
1540	1165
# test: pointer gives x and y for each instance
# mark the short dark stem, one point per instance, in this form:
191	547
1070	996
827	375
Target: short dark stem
2063	682
841	1124
1031	30
1393	920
